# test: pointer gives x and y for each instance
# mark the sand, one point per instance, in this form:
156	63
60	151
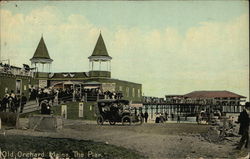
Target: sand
165	140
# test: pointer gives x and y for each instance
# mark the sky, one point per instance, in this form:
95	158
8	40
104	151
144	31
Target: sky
170	47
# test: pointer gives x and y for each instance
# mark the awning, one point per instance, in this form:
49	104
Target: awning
68	83
92	83
72	82
137	105
91	87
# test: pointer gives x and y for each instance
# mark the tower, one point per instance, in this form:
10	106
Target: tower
100	61
41	59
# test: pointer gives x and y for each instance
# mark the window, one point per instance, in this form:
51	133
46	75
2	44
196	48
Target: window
120	88
139	93
18	86
127	91
133	92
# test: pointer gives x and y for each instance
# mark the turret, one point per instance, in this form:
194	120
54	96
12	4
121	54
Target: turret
41	59
100	61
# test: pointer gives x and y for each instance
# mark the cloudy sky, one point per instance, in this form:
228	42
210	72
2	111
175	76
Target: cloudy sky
171	47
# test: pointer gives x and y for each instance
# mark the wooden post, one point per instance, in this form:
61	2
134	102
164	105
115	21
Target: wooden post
74	93
151	111
86	98
168	107
64	111
80	91
81	110
18	113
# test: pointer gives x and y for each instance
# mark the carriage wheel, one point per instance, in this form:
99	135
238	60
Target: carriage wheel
126	120
100	120
111	122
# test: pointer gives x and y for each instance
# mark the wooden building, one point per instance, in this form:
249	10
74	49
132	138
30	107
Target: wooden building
41	59
99	75
225	101
15	79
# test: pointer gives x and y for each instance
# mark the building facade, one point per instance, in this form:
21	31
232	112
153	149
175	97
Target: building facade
15	79
99	75
225	101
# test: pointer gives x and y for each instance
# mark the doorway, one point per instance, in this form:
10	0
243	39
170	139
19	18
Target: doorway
18	86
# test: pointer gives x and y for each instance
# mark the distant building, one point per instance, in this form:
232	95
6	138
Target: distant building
226	101
15	78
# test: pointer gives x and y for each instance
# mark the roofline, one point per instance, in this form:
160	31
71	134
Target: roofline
174	95
88	78
66	72
97	58
41	60
116	79
240	96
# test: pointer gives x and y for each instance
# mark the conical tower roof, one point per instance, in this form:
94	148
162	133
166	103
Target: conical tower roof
100	50
41	54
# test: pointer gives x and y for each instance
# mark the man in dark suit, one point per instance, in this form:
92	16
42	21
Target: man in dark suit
23	102
146	116
244	120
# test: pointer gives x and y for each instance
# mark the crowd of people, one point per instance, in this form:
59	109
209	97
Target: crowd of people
12	102
112	95
4	67
96	92
50	94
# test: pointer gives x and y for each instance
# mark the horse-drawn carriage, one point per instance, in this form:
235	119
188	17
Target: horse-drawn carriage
117	110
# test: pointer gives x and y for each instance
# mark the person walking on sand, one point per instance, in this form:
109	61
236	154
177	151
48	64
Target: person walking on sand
178	119
172	116
244	120
198	119
142	115
146	116
166	116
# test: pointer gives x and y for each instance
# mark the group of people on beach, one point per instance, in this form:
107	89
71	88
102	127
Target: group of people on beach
144	116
